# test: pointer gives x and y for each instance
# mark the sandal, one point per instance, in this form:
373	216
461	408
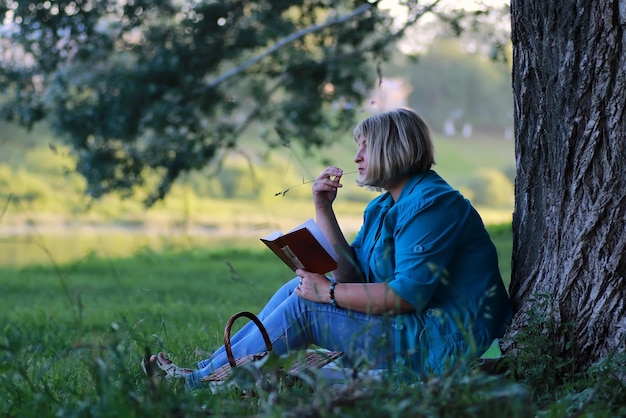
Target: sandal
170	370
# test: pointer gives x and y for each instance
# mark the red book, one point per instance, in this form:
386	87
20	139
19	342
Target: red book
304	247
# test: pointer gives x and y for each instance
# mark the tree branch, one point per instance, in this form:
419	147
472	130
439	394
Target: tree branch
381	42
286	40
311	29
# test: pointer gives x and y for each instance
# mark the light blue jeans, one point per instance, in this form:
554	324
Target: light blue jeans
294	323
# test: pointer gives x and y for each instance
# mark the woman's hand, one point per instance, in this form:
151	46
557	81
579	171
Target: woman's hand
325	187
313	286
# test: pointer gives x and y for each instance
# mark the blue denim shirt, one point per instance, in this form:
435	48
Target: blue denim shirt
433	251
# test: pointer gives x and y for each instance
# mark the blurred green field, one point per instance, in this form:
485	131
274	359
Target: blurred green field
178	298
46	218
178	295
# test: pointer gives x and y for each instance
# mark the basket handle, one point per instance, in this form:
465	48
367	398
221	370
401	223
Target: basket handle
229	325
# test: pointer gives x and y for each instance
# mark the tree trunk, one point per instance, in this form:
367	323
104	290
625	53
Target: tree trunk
569	224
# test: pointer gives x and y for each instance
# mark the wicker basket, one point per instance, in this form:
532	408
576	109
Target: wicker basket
313	359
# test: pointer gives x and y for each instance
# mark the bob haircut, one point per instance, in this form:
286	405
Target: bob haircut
397	144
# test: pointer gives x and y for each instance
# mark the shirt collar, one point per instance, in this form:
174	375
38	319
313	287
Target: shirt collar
411	183
386	200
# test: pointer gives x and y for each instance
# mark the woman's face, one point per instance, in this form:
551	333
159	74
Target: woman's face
361	158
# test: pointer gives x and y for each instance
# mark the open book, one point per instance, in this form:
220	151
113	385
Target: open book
304	247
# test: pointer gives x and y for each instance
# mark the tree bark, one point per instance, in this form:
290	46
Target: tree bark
569	224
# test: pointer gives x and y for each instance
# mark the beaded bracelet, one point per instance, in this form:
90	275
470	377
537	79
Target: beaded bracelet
331	296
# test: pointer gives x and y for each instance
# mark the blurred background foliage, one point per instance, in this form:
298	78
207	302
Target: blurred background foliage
452	87
144	91
164	86
185	106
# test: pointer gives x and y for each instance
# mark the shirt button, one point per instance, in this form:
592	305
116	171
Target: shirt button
431	313
418	249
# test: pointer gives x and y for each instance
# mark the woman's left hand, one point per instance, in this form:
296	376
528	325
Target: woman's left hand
313	286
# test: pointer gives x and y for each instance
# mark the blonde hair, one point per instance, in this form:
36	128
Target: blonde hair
397	144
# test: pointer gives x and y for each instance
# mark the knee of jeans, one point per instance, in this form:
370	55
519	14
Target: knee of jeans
296	304
288	288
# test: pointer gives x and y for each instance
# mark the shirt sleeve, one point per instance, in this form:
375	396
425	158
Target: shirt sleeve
425	240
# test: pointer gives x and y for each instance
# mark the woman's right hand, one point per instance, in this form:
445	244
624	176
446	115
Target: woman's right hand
325	187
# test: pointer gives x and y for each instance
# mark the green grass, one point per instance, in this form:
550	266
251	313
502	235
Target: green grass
58	323
501	235
73	335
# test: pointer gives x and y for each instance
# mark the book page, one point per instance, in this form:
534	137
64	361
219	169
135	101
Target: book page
294	259
273	235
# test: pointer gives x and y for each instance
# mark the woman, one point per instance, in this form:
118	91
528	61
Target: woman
418	288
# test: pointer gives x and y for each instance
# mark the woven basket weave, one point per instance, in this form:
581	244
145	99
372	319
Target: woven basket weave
312	360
